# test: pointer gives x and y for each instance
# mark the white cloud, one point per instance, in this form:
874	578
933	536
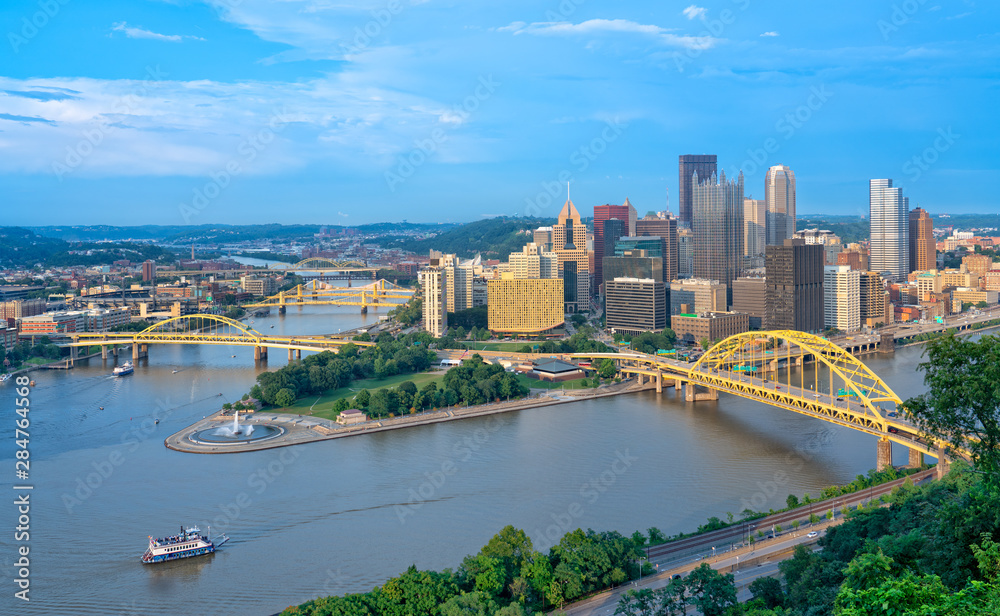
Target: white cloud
959	16
140	33
770	33
694	12
611	26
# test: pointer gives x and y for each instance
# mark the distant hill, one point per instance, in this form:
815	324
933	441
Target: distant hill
494	238
850	229
22	248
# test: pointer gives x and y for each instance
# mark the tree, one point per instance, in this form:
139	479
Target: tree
284	398
792	501
768	590
962	404
607	368
711	592
362	399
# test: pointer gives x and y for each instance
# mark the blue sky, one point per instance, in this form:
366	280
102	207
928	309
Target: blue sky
324	111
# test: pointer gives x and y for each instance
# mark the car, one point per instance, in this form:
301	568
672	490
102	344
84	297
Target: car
893	430
813	535
675	576
893	414
840	399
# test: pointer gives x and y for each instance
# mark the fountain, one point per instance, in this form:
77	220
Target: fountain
236	434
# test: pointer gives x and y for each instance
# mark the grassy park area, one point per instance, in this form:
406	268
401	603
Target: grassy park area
322	406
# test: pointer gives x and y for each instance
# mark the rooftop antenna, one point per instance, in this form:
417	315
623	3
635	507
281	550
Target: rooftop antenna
567	192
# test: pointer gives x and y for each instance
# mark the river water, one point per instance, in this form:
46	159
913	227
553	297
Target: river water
344	515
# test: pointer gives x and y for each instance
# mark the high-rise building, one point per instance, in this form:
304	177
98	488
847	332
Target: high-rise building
749	297
685	253
841	289
717	223
569	240
460	274
435	310
534	262
665	227
613	230
779	195
625	213
692	169
890	229
695	296
923	248
524	306
635	305
794	287
633	264
148	271
872	299
754	232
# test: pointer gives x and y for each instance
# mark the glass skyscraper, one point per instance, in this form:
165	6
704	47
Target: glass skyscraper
779	196
717	223
890	230
692	168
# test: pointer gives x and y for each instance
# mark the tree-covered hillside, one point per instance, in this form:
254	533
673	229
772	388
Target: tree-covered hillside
494	238
21	248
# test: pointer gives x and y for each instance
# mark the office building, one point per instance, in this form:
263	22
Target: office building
694	295
872	299
890	230
663	226
534	262
749	297
794	287
433	283
779	195
624	213
717	223
685	253
711	326
612	230
971	297
754	232
257	286
20	308
148	271
923	248
569	239
524	306
692	169
633	264
635	305
543	237
978	264
842	290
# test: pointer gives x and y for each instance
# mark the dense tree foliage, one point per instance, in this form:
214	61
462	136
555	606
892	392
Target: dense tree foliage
962	404
493	238
473	317
22	248
325	371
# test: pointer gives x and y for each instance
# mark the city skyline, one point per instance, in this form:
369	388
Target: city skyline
207	112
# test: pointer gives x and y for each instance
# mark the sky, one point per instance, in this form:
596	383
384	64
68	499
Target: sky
332	112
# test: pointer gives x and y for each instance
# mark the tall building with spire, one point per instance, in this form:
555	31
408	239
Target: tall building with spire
717	223
692	168
569	242
779	198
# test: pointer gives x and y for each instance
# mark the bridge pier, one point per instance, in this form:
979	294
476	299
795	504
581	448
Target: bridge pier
943	465
916	458
281	309
364	310
298	353
291	357
884	455
72	355
691	394
139	350
259	353
659	382
104	351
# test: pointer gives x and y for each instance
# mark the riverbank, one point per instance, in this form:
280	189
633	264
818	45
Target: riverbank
300	429
967	332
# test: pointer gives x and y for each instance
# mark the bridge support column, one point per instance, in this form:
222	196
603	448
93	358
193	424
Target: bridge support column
104	351
943	465
135	351
260	353
72	355
291	356
659	382
916	458
298	353
884	456
281	309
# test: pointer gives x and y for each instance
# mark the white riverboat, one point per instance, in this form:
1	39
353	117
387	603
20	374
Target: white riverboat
123	369
190	542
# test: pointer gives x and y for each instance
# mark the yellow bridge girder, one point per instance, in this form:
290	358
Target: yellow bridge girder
329	263
376	295
212	330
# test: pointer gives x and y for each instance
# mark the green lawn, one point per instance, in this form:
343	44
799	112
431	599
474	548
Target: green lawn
322	406
536	384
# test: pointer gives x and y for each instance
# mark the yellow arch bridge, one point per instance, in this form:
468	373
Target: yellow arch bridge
379	294
205	329
761	366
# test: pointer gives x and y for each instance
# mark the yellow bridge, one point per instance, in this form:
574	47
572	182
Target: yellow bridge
379	294
761	366
206	329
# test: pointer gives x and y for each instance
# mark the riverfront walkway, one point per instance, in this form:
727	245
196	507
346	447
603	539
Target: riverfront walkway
299	429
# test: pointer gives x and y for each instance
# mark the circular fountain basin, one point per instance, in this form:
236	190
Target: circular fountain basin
261	432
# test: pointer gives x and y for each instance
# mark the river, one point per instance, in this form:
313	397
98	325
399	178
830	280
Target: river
342	516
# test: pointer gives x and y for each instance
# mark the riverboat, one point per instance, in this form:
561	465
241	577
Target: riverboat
124	369
189	542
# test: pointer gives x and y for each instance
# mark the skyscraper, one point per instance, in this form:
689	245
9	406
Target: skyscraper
923	248
717	223
685	253
692	168
793	291
754	232
890	230
569	242
534	262
779	196
664	226
842	291
626	213
433	282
